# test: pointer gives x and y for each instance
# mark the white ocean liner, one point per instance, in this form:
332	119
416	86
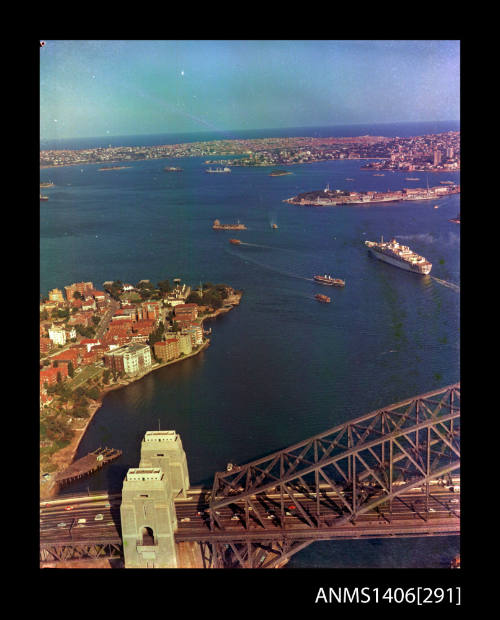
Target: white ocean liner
399	255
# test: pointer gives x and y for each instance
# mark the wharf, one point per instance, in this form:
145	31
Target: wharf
87	464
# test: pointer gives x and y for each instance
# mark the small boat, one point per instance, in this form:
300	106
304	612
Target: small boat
274	226
436	207
322	298
455	563
329	281
235	241
349	179
43	197
412	179
379	175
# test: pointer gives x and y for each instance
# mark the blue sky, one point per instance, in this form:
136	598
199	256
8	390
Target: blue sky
111	87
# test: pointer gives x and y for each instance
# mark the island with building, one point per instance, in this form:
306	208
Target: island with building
93	341
333	197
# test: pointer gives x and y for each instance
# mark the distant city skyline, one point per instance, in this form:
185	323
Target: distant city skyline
118	88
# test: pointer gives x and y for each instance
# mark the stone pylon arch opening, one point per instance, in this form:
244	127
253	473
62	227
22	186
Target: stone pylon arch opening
148	539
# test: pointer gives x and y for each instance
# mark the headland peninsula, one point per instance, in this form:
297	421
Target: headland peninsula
95	341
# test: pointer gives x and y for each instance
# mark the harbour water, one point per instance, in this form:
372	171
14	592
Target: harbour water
281	367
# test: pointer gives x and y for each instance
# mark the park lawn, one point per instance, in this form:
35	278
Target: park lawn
89	372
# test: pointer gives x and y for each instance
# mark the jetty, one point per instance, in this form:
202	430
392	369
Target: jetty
87	465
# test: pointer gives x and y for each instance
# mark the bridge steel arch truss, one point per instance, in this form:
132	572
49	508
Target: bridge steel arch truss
334	479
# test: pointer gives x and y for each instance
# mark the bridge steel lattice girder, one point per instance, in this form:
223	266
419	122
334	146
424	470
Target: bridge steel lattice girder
420	435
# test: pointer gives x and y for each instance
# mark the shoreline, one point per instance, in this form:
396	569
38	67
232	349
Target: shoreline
64	457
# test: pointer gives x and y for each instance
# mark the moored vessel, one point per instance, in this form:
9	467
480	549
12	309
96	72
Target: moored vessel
329	281
399	255
322	298
43	197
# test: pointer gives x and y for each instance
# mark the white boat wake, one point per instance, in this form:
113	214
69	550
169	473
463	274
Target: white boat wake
453	286
251	260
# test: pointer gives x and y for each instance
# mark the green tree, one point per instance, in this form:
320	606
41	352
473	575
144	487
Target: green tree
194	298
93	393
164	286
80	412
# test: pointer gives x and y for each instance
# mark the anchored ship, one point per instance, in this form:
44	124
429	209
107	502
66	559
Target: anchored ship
322	298
329	281
399	255
218	226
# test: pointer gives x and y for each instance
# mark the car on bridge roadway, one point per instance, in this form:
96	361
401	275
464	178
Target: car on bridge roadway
185	519
68	507
61	525
98	517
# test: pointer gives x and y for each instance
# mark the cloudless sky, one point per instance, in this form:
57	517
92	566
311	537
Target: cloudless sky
111	87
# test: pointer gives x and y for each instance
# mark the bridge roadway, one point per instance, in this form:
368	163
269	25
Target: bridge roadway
68	520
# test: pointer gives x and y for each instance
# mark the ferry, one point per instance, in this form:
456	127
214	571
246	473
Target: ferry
235	241
213	170
322	298
399	256
329	281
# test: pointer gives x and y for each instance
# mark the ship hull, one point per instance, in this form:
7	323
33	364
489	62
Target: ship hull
397	263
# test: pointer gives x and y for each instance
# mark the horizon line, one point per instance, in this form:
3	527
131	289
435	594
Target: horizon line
172	133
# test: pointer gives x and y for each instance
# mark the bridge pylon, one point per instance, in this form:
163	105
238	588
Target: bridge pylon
164	449
148	519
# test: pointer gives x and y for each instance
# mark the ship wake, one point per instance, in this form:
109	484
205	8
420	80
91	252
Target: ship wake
254	262
452	285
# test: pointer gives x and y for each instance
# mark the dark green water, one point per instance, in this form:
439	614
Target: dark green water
280	367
